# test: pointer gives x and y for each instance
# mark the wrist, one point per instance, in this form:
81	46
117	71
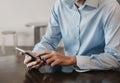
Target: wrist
72	60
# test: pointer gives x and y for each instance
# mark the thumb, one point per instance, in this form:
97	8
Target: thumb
42	55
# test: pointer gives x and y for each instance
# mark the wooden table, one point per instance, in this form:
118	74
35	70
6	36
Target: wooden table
37	27
12	70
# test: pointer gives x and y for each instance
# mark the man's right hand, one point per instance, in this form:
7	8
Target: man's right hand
30	63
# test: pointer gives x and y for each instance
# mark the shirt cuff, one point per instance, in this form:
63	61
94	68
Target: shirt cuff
83	61
86	63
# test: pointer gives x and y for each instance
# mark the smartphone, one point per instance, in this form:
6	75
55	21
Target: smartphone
26	53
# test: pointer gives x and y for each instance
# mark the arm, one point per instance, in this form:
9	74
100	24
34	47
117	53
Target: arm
52	37
49	41
110	59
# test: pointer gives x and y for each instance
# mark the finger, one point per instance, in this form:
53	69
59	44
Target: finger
39	61
50	60
47	56
54	63
27	59
31	64
43	53
38	64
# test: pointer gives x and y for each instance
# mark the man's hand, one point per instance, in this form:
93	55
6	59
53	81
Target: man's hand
30	63
54	58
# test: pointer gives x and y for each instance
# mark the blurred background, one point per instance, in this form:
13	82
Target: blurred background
22	17
15	14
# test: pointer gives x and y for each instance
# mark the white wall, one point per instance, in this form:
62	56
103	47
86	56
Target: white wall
14	14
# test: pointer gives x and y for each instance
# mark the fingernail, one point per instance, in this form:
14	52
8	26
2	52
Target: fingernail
42	57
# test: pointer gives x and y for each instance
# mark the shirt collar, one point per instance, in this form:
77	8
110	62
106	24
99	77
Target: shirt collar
92	3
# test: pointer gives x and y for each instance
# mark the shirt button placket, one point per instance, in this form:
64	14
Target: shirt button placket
78	37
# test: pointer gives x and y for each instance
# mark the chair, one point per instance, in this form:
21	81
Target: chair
3	34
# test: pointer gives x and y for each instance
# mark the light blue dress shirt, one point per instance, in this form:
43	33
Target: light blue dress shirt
90	32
